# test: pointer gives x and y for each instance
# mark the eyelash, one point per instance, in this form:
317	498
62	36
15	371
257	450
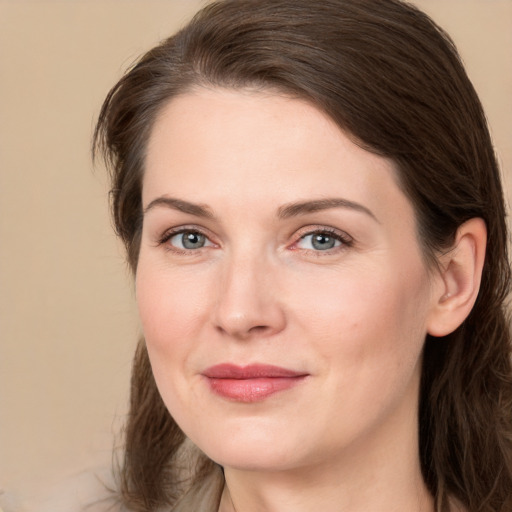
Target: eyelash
345	240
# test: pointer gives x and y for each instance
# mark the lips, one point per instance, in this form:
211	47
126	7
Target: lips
251	383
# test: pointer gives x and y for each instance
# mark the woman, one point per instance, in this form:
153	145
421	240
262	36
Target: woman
313	213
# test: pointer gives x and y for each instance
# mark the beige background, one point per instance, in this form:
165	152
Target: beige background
67	320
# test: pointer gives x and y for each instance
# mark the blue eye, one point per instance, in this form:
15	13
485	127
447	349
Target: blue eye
320	241
189	240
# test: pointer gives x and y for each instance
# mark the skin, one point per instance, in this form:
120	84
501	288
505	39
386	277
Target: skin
353	318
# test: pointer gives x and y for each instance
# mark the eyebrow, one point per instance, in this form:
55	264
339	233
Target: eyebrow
304	207
284	212
198	210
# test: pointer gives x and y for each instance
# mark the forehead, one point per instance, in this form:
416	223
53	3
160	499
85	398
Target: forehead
254	140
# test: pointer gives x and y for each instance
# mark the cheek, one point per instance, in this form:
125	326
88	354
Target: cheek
367	318
171	305
170	312
369	331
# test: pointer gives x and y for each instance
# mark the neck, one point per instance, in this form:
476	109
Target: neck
386	492
381	471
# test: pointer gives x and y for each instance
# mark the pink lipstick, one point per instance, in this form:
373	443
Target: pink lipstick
251	383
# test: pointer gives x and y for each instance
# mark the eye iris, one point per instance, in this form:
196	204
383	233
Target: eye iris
322	241
192	240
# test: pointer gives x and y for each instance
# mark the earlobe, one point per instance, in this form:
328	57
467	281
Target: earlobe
458	281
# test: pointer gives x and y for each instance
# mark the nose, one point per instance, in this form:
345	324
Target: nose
248	302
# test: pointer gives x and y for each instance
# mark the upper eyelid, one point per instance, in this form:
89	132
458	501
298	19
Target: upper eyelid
310	230
305	230
169	233
186	227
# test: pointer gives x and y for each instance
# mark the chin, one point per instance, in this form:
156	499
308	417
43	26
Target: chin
251	450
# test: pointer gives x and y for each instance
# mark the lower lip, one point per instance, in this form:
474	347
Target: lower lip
252	390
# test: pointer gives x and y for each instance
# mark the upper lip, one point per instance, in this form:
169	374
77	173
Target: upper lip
252	371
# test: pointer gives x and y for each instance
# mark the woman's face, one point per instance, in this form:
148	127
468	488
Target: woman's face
281	287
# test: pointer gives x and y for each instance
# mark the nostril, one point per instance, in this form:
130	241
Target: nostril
256	330
242	332
259	328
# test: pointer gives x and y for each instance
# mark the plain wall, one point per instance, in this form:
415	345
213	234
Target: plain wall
68	324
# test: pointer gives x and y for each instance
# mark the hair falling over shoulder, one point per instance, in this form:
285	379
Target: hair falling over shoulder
389	76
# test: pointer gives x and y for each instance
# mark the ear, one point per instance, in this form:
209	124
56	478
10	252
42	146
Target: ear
458	280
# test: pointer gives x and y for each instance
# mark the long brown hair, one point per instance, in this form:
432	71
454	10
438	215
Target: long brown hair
389	76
